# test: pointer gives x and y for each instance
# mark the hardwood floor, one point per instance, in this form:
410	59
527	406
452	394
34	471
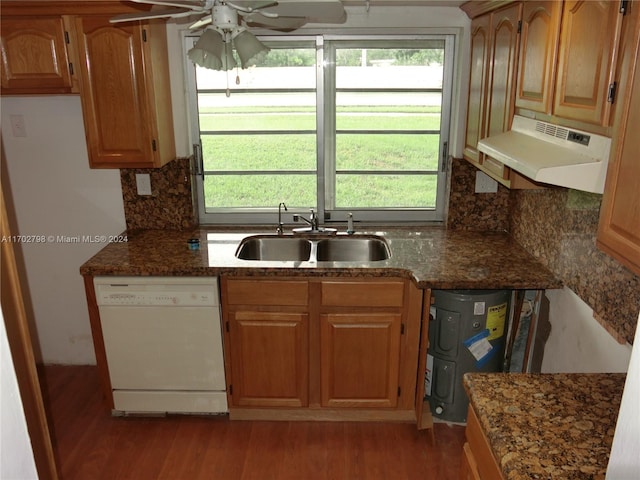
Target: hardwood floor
91	445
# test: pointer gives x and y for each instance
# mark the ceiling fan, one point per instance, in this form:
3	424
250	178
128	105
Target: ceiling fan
226	24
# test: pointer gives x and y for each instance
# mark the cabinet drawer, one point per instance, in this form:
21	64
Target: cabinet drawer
363	294
266	292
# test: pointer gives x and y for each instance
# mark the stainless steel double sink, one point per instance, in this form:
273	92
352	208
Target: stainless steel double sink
339	248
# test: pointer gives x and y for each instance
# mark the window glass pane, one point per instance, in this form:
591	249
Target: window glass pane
258	111
233	191
387	152
259	152
389	68
386	191
388	111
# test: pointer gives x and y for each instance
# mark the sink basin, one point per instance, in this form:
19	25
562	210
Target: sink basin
352	249
270	248
301	249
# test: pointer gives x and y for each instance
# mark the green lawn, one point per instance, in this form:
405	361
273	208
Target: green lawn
383	156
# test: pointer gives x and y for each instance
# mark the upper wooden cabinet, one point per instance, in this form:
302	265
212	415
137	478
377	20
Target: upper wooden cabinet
586	60
35	57
121	72
538	52
567	59
494	59
126	97
619	228
480	35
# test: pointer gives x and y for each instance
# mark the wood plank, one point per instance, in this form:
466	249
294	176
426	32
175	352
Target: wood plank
92	444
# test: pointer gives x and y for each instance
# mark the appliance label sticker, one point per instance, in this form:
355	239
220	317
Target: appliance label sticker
480	347
428	376
478	308
496	317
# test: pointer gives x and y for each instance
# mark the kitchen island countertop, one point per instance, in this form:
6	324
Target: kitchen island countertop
548	426
432	257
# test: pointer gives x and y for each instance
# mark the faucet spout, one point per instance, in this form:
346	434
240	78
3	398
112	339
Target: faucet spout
312	221
280	230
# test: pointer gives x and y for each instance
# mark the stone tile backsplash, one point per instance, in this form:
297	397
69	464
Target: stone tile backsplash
556	225
170	206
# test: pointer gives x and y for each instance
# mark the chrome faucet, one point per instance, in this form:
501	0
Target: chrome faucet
281	205
312	221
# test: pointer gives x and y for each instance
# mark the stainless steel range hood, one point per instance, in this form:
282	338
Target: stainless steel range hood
552	154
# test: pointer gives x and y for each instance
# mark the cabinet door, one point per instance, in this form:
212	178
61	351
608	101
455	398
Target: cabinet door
619	228
586	60
504	55
359	359
269	358
538	51
34	56
468	465
118	118
480	31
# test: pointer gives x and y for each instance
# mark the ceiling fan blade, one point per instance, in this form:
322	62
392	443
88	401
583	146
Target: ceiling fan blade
203	22
252	6
164	13
277	23
195	5
306	8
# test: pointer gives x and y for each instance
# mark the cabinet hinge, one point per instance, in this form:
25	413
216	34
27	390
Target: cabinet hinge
519	26
611	94
144	35
154	146
66	37
399	391
71	68
402	329
623	6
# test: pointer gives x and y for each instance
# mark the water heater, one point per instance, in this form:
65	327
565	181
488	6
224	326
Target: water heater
466	334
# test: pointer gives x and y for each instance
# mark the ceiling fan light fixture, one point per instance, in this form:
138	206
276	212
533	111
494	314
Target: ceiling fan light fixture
208	50
248	47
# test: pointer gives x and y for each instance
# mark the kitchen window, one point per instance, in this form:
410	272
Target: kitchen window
339	124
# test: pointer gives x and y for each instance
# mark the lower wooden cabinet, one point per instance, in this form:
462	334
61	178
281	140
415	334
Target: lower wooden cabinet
468	465
269	358
318	346
478	462
359	358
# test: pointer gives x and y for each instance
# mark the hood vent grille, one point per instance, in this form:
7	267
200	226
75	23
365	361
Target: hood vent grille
552	130
551	154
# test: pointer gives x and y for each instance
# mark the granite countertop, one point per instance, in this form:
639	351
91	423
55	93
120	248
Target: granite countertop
548	426
432	257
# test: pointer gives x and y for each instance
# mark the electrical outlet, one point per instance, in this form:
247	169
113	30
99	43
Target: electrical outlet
143	183
485	184
17	126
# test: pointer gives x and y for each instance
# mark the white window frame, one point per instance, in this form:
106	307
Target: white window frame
325	144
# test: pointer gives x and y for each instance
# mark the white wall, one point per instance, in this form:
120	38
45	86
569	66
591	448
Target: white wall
624	462
55	193
16	456
578	343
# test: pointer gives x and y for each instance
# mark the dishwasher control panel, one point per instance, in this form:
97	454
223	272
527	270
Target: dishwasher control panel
156	291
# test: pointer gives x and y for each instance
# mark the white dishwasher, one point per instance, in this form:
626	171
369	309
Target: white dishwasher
163	342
